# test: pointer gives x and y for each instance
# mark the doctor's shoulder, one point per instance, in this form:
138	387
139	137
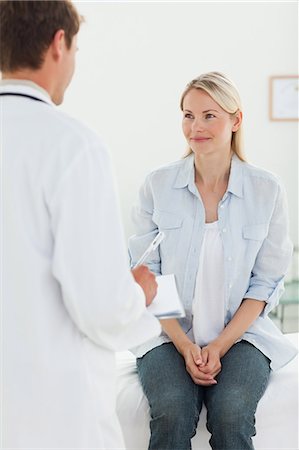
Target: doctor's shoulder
74	137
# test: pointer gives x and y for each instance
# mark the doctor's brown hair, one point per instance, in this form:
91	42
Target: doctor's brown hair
27	29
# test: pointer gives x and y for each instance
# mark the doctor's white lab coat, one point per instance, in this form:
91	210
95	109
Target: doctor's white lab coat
68	299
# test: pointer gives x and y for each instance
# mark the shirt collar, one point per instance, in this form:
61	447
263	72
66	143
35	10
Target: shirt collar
185	176
235	182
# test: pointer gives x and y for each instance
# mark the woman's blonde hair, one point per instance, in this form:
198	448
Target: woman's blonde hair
224	92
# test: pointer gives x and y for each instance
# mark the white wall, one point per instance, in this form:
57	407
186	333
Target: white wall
135	59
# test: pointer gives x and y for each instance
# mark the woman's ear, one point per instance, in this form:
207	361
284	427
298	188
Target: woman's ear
237	120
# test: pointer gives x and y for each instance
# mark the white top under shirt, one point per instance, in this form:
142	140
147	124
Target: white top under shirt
208	303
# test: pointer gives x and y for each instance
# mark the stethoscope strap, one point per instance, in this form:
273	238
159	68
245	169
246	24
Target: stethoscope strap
17	94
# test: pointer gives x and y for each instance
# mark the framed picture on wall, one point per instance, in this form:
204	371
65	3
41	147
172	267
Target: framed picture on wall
284	96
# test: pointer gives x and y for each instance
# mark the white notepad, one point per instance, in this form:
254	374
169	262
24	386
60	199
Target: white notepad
167	304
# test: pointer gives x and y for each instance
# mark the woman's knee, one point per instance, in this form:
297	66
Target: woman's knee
232	410
164	377
175	414
174	404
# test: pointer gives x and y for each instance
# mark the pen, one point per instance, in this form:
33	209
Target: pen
152	247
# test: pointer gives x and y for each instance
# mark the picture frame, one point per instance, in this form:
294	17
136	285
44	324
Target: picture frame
284	98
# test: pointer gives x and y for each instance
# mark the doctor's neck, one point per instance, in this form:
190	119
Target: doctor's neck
26	75
45	77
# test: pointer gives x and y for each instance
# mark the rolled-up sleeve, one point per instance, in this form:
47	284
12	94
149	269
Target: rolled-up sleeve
273	258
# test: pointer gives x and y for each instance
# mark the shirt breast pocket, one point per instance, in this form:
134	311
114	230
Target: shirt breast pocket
253	238
166	220
255	232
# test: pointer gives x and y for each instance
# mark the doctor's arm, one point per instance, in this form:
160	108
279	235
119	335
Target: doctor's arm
90	258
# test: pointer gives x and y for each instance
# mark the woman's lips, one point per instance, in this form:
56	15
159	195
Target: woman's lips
201	139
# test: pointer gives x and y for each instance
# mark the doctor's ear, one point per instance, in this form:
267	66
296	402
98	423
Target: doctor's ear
58	44
237	120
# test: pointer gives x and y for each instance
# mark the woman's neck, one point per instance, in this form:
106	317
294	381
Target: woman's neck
212	171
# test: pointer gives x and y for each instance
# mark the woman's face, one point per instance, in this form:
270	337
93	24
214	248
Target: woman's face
206	126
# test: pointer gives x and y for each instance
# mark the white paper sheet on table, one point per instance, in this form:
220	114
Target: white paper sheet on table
167	303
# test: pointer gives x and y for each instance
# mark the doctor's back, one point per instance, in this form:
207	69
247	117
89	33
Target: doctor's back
69	300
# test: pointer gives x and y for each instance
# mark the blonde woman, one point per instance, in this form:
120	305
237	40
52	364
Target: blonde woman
227	243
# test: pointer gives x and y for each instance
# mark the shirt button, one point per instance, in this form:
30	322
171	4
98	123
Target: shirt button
221	206
223	230
230	285
229	258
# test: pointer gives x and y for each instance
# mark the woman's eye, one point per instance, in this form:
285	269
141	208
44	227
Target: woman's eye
188	116
209	116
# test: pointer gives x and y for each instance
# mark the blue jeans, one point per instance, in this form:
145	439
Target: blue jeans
176	401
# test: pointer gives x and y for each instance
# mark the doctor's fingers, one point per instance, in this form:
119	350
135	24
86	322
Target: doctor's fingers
147	280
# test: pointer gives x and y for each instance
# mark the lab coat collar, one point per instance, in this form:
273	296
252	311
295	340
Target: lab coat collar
25	87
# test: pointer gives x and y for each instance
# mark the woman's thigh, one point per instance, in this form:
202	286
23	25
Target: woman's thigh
240	384
167	384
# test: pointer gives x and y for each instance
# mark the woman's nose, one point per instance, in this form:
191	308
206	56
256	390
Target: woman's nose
197	124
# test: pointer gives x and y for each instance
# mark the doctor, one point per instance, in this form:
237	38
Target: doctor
69	300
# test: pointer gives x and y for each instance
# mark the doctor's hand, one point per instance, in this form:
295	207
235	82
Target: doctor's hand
147	280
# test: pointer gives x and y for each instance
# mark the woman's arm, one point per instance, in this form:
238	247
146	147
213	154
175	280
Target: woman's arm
273	258
203	365
145	229
246	314
265	285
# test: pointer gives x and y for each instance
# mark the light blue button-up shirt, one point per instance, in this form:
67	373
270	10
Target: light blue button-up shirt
253	223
